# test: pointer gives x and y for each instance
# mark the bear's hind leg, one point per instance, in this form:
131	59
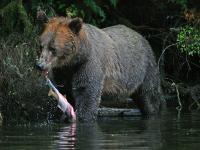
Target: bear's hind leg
150	103
150	92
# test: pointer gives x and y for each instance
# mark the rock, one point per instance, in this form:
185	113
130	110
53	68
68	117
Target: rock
117	112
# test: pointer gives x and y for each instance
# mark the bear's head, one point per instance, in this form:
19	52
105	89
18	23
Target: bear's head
59	42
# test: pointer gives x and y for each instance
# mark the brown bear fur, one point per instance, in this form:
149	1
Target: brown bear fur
90	62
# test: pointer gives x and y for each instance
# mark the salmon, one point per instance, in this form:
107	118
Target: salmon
63	104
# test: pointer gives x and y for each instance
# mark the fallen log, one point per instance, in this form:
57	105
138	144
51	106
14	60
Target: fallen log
118	112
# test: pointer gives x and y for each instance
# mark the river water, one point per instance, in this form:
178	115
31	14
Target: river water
171	131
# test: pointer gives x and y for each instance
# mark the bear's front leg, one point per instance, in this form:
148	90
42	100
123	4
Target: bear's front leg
87	90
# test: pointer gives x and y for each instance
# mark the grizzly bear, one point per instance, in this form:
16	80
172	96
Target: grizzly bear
89	62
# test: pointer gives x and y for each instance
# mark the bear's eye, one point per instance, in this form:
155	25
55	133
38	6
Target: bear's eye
53	50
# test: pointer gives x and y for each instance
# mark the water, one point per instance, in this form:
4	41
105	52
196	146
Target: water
168	132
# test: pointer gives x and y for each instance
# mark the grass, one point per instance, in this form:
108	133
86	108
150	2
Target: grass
23	93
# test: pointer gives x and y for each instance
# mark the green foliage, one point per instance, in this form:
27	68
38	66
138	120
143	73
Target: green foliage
92	11
189	40
14	18
24	19
73	11
95	8
114	2
46	5
182	3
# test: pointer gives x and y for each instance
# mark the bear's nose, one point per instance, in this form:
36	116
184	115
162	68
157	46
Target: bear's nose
39	67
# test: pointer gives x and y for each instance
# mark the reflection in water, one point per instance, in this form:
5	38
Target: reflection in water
166	132
89	136
111	133
127	133
67	137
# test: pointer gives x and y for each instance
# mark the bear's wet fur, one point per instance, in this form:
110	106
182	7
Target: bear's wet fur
90	62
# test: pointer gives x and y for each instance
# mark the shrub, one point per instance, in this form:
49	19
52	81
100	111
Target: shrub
189	40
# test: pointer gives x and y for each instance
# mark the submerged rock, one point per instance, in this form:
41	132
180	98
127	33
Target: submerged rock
118	112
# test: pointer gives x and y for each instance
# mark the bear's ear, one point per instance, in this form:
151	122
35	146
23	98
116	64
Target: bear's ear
41	16
75	25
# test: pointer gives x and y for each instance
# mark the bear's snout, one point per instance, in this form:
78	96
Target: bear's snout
42	69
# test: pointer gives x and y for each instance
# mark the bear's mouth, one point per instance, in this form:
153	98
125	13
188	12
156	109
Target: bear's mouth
45	72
